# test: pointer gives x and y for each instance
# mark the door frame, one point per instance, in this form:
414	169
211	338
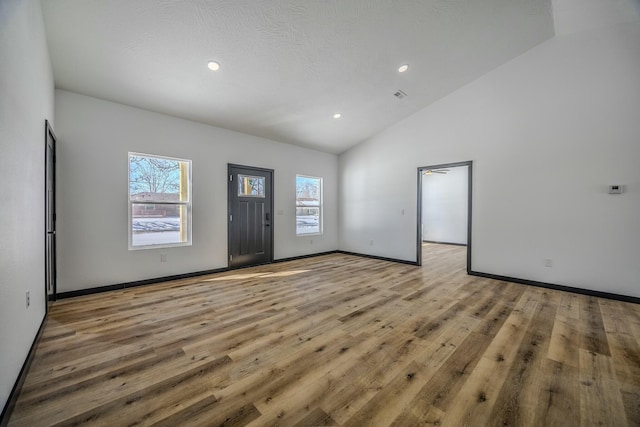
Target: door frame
271	227
469	210
48	133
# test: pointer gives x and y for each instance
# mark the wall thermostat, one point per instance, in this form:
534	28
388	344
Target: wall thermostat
615	189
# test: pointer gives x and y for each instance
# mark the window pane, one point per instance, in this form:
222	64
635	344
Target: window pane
158	179
250	186
158	224
308	191
307	220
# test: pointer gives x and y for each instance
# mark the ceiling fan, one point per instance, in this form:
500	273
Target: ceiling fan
432	171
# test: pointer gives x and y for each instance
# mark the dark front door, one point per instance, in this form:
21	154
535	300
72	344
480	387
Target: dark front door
250	215
50	212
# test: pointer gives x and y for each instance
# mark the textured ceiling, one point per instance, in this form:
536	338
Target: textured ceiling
286	66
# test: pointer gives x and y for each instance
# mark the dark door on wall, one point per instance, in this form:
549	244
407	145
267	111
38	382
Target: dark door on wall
50	212
250	215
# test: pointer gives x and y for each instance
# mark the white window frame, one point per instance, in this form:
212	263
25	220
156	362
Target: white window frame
186	203
320	207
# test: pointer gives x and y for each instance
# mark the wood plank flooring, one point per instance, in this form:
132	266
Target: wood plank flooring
337	340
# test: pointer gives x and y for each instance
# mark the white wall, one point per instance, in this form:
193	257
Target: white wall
445	206
572	16
547	132
26	100
94	137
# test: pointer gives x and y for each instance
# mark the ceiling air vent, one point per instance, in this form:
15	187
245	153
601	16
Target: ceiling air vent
400	94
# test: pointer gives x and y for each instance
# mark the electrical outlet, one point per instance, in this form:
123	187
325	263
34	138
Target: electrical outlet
548	262
28	299
163	257
371	243
311	242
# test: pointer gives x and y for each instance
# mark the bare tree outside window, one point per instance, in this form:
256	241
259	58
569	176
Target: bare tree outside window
154	175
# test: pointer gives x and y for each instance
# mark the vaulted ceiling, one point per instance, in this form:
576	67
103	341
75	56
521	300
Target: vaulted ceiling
286	66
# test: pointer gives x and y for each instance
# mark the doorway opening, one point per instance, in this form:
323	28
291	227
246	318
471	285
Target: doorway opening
50	213
444	207
250	220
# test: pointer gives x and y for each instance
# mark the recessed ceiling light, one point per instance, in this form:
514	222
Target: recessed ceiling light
337	115
403	68
213	65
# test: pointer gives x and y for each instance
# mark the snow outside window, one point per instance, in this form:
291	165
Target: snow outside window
308	205
159	201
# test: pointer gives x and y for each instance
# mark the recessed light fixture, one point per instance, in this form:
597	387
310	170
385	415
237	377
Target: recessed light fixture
403	68
337	115
213	65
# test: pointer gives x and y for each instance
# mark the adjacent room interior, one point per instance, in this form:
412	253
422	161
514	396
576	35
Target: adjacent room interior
320	213
444	207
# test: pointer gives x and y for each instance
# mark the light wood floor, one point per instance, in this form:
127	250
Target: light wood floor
337	340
